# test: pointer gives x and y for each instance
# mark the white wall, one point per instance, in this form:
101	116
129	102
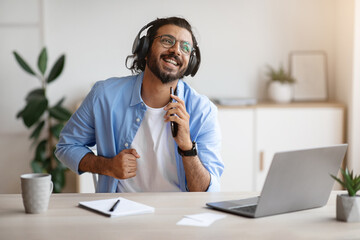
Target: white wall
238	38
344	41
347	72
354	106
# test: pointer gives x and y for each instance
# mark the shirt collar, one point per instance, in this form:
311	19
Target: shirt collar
136	94
180	89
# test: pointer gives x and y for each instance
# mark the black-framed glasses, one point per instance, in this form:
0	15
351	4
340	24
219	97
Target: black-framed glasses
168	41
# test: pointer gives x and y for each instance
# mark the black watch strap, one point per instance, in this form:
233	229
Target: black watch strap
189	153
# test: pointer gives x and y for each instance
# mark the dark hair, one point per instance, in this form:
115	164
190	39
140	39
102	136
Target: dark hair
139	62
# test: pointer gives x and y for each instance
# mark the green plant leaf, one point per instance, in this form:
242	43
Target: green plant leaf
60	102
36	133
357	187
339	181
34	109
347	176
59	113
47	164
58	178
42	61
350	182
36	93
55	130
36	167
357	179
280	75
57	69
20	113
40	152
23	64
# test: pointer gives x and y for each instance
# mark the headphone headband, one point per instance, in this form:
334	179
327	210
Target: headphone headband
137	39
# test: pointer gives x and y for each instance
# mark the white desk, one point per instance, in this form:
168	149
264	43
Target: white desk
64	220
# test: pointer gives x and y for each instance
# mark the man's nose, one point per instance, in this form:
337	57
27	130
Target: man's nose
176	48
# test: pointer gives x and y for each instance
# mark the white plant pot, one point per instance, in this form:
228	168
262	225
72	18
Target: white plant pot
348	208
280	92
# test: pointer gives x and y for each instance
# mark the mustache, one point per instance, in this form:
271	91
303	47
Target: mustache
172	55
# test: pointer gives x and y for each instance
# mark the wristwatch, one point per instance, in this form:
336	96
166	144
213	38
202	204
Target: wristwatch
189	153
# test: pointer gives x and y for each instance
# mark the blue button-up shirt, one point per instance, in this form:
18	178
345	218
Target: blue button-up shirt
110	116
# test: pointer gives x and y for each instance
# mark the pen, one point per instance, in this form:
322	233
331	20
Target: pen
114	206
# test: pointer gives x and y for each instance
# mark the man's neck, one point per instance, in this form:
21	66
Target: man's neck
155	93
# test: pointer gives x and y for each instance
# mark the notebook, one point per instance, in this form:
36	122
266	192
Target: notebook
296	180
124	208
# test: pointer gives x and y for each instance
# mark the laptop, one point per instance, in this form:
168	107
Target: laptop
297	180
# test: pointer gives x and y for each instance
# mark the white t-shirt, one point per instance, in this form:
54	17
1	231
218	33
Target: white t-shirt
156	167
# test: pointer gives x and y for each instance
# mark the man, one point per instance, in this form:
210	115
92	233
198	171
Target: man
129	121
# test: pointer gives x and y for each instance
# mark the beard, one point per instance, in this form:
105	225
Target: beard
165	76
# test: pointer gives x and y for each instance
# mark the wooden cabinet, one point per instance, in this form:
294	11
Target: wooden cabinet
251	136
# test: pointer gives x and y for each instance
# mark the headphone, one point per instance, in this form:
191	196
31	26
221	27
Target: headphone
141	47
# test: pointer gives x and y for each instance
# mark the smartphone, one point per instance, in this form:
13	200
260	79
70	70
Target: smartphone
174	125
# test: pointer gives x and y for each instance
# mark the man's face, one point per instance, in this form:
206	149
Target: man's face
169	64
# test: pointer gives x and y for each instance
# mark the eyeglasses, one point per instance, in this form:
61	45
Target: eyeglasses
168	41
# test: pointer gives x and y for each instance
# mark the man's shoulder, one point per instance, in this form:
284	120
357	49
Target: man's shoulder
114	85
116	82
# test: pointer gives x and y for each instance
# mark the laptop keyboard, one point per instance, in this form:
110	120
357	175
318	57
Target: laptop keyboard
249	209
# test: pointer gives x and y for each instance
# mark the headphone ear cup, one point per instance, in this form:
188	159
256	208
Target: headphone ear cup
135	46
191	66
143	47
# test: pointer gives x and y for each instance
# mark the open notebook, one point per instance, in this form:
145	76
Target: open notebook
124	208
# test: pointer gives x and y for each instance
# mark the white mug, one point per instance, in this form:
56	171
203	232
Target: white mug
36	189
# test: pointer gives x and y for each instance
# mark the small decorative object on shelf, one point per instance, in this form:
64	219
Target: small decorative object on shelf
348	205
280	88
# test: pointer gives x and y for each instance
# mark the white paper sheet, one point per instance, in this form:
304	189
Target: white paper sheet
200	220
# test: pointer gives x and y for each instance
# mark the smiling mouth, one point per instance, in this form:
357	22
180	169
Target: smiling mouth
173	62
172	59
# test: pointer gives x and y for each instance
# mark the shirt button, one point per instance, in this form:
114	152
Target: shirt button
138	119
126	144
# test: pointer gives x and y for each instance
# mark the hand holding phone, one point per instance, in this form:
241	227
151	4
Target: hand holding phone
174	125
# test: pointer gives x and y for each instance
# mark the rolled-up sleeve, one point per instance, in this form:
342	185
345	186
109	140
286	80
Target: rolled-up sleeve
209	148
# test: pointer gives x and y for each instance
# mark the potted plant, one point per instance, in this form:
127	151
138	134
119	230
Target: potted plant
280	88
45	121
348	205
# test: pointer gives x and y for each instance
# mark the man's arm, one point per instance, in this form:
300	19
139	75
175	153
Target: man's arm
122	166
197	176
79	133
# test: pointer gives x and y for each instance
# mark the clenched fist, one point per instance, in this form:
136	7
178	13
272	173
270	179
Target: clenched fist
124	164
